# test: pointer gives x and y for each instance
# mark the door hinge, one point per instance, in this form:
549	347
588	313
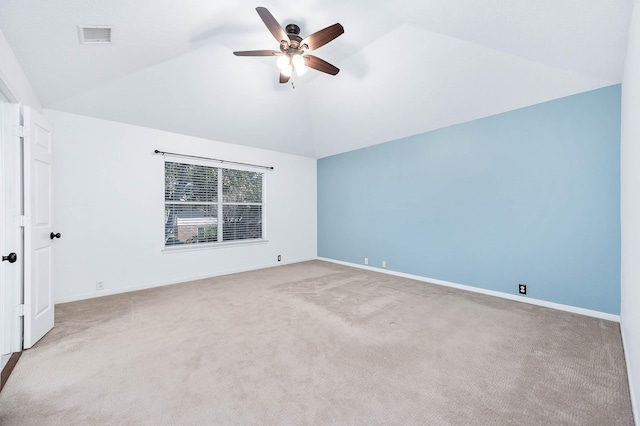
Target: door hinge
18	131
21	310
22	220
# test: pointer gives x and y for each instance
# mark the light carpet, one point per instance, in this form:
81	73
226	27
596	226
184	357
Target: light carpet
318	343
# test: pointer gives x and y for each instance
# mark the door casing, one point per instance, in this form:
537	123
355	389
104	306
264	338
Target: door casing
11	206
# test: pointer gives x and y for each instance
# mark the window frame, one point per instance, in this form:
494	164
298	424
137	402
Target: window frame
220	203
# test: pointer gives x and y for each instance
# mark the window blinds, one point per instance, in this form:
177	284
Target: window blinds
211	204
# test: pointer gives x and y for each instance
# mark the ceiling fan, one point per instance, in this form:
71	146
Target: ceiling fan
293	47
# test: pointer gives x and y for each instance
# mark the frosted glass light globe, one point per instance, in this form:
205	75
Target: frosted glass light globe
297	61
283	62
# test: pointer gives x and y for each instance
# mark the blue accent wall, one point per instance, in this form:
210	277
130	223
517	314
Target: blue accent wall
528	196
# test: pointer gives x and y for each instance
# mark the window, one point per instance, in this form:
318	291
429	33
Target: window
208	205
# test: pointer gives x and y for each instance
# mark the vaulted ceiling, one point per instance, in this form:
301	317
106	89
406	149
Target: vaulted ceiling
407	66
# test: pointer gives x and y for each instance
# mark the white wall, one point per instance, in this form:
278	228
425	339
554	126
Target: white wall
630	208
109	195
14	78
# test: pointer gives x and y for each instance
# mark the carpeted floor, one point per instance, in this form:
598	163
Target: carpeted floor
318	343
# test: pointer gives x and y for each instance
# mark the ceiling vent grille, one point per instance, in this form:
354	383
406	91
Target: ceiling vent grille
94	34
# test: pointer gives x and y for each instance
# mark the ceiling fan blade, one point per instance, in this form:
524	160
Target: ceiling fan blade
258	53
276	29
284	77
322	37
320	65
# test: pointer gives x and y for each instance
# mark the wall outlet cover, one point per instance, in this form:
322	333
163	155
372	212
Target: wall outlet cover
522	288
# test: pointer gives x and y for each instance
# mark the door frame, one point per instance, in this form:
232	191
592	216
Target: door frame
12	290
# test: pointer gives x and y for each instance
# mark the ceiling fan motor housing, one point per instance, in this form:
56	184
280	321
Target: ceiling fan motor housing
293	32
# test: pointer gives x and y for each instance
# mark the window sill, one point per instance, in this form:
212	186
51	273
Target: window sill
198	247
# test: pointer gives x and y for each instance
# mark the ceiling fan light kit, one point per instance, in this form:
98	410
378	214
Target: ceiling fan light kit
293	48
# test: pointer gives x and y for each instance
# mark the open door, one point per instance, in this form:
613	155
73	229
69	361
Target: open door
39	236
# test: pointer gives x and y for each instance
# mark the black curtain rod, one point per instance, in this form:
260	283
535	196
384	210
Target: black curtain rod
214	159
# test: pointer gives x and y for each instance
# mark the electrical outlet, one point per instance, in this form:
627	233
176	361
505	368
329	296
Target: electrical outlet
99	285
279	258
366	260
384	263
522	288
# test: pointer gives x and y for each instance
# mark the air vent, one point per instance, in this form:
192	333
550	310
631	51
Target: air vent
95	34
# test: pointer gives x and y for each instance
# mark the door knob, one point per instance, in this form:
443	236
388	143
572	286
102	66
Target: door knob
55	235
11	258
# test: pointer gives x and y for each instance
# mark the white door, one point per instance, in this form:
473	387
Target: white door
39	233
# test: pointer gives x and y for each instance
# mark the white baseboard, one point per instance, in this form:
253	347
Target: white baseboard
634	406
544	303
145	286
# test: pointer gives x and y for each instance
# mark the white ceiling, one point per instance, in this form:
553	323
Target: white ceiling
407	66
